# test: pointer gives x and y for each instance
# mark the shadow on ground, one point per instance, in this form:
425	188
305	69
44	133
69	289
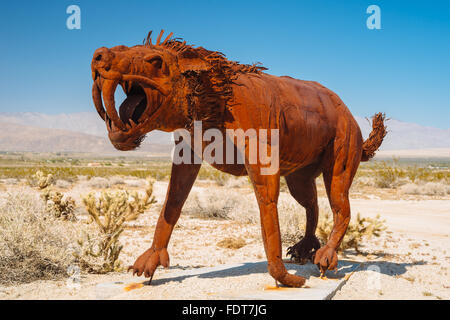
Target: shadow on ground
308	270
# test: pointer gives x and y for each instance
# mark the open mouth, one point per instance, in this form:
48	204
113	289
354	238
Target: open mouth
134	104
140	103
127	127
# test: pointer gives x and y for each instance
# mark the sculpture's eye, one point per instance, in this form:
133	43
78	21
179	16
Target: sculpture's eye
154	59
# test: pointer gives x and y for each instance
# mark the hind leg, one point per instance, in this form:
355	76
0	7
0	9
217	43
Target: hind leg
339	169
302	186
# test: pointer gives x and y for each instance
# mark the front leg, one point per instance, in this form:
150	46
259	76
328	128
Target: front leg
181	180
267	189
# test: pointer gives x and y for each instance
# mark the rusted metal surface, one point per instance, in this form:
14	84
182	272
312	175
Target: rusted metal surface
171	84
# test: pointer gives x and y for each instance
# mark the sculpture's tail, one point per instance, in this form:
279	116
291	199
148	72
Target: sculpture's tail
371	145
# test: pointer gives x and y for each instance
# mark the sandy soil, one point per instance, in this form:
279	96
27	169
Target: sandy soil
409	261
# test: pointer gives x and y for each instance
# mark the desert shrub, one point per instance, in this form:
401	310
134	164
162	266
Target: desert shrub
362	181
236	182
33	244
214	206
283	185
410	188
416	174
358	230
41	180
134	182
157	171
82	178
116	180
10	181
391	175
243	208
435	188
387	176
62	184
429	188
59	205
75	162
215	203
110	212
98	183
291	218
232	243
207	172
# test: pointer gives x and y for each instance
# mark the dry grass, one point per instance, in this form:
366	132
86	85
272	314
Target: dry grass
70	173
213	205
116	180
243	208
394	174
207	172
292	221
232	243
429	188
63	184
36	245
388	176
98	183
33	244
239	182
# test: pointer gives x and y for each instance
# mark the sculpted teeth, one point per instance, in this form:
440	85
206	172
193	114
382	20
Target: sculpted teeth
107	120
108	97
132	125
155	102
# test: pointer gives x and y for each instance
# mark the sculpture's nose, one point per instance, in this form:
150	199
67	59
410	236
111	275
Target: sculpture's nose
103	58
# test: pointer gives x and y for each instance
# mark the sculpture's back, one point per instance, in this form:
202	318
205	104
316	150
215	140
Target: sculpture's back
170	84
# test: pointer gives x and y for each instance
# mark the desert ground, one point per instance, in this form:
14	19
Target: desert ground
403	253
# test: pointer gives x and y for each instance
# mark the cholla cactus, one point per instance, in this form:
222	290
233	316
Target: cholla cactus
357	230
57	204
110	211
41	180
60	206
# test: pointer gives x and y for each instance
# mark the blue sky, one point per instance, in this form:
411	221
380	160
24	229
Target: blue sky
402	69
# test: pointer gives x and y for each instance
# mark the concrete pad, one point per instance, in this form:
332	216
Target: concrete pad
243	281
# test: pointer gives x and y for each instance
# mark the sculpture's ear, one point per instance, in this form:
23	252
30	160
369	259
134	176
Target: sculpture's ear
190	60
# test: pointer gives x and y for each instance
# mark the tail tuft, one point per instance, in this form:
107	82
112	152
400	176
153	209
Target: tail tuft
371	145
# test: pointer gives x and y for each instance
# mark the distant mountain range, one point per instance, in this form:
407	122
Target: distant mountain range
82	122
86	132
77	132
406	136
